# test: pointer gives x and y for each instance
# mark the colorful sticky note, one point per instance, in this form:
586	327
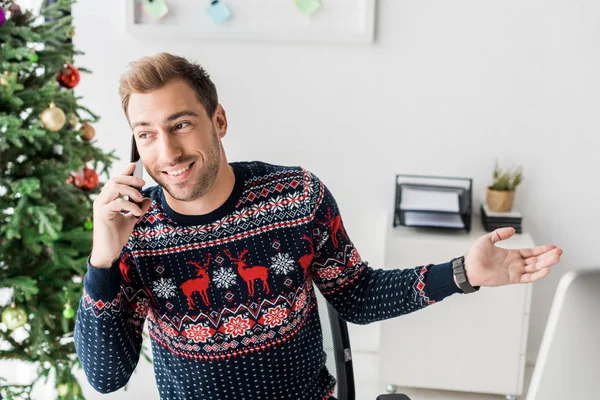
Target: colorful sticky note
308	7
218	11
156	8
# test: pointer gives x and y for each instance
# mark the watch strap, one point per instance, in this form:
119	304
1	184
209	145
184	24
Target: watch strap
459	272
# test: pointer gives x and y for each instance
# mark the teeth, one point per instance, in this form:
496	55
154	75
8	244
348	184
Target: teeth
180	171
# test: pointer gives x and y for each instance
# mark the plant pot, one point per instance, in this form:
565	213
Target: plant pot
500	200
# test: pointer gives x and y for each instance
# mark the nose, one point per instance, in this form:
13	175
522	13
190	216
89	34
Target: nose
171	148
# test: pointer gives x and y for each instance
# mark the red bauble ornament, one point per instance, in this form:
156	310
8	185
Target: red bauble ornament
68	77
86	179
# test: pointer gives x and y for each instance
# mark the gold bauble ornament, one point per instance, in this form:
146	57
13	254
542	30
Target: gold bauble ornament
15	10
53	118
73	120
14	317
87	131
4	78
70	33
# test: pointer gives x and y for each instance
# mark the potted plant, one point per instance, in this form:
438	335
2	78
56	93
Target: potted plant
500	196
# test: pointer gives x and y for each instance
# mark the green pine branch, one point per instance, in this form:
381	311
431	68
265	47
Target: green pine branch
43	244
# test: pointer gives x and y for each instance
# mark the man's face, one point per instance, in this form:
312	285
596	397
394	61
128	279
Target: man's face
177	141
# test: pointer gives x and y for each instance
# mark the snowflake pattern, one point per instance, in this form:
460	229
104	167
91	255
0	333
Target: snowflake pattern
237	326
141	307
329	273
300	301
282	263
277	204
354	257
240	216
167	329
323	239
275	316
164	288
224	278
293	200
259	210
197	333
223	222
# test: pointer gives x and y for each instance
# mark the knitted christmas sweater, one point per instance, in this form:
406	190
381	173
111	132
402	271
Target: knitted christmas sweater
229	296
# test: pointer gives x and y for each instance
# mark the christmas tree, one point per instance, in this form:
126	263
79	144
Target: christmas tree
49	178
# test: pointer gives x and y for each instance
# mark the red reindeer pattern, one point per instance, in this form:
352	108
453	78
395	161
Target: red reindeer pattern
199	284
250	274
124	267
306	259
334	225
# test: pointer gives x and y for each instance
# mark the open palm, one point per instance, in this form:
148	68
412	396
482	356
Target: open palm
489	265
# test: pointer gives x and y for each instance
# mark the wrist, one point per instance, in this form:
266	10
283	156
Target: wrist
99	262
467	265
459	274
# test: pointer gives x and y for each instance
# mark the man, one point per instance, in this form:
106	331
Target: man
221	259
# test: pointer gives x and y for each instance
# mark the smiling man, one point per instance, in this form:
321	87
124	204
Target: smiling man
222	259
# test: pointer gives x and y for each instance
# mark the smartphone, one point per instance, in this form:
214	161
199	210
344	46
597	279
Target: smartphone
139	167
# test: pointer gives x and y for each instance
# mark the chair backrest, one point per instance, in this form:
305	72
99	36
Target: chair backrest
569	357
336	344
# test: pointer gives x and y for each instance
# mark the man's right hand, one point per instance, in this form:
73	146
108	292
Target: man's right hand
112	228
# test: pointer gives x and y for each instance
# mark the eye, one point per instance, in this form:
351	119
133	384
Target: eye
181	125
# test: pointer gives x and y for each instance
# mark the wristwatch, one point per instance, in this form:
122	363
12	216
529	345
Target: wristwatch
458	269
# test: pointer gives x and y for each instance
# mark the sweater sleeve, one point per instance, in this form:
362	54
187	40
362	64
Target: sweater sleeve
110	320
360	293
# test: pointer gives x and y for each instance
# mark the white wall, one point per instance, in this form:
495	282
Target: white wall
447	87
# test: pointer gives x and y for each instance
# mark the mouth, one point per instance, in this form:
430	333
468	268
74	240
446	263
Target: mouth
181	174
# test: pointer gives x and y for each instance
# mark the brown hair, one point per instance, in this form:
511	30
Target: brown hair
153	72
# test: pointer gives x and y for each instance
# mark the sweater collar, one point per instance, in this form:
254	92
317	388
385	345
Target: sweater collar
226	208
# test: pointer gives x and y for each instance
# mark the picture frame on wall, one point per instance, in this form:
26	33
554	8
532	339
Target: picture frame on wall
335	21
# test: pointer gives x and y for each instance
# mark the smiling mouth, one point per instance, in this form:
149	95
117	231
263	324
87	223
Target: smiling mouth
181	174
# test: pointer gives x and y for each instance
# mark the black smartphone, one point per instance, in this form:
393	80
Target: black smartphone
139	166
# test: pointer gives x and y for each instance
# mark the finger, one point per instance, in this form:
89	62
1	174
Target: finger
501	234
128	180
146	203
536	276
535	259
119	205
117	190
536	251
129	169
544	261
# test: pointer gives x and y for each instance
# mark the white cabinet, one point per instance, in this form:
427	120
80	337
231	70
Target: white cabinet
467	342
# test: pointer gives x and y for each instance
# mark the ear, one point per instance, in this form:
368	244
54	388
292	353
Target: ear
220	121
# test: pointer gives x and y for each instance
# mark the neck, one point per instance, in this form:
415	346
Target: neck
212	200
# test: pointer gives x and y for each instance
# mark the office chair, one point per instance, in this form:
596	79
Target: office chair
336	344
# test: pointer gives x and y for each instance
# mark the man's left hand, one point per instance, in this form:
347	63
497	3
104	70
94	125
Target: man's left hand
489	265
